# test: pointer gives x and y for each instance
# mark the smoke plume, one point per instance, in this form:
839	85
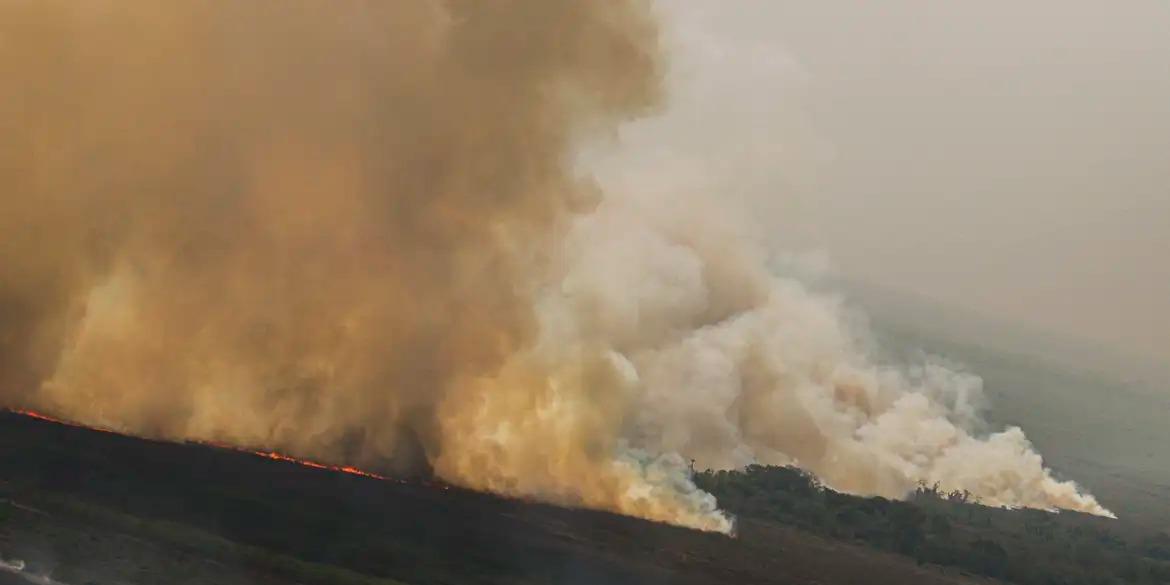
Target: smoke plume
353	230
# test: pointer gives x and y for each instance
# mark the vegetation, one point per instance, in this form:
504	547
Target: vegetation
950	529
135	511
210	546
280	523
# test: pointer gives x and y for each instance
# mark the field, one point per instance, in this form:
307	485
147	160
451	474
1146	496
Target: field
91	507
1098	417
1106	432
101	508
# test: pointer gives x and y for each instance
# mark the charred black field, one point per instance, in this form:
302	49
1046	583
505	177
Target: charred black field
103	508
87	506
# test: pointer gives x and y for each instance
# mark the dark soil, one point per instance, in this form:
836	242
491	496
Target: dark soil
103	508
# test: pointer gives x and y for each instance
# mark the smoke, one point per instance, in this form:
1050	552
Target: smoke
733	364
354	231
17	567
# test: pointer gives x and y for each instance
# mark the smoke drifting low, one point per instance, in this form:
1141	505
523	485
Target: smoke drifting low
352	230
734	365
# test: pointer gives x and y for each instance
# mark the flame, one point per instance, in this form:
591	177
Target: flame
47	418
273	455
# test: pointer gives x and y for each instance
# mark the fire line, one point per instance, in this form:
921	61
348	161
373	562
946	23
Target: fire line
273	455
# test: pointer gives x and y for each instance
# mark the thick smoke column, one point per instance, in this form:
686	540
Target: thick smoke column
316	227
737	365
351	230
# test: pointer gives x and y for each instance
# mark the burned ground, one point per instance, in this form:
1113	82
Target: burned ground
92	507
99	507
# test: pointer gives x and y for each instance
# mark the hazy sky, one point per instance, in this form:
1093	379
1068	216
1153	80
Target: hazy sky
1009	157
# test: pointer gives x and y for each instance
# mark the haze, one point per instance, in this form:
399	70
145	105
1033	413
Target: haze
1009	158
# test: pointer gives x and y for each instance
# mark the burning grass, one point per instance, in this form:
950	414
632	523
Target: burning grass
273	455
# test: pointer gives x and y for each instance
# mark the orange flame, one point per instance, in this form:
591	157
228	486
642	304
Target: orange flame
303	462
47	418
259	453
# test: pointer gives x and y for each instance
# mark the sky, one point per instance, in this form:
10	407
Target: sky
1009	158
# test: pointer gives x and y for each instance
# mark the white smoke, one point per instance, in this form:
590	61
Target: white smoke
730	364
340	262
17	567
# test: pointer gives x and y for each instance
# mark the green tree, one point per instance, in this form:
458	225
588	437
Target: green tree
940	527
907	523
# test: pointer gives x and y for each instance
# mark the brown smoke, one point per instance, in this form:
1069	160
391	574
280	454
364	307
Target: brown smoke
308	225
352	231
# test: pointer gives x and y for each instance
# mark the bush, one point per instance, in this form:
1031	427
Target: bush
1027	547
